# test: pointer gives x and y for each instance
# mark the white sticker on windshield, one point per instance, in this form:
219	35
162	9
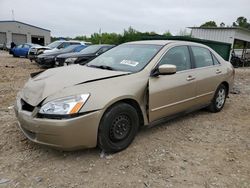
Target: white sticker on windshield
130	63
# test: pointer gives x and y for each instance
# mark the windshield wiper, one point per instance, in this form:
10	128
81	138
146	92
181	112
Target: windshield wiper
102	67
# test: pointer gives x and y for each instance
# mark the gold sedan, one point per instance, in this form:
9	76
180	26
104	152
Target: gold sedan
134	84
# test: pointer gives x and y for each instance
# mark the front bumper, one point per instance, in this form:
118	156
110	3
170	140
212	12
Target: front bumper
46	62
32	57
59	62
65	134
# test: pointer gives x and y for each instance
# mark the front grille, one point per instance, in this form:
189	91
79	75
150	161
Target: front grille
32	53
26	106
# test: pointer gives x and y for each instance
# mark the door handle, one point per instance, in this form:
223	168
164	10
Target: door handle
190	78
218	71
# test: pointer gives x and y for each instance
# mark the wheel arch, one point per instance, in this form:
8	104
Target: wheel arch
131	102
226	84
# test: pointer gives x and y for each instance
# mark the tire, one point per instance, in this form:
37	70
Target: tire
118	128
219	99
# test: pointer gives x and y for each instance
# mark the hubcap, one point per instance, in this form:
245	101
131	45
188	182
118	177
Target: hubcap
120	128
220	98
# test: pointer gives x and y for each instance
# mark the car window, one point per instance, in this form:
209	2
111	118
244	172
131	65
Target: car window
75	43
178	56
202	57
216	62
63	45
91	49
26	46
104	49
55	44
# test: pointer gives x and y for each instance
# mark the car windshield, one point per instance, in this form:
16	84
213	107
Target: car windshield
54	44
91	49
126	57
79	48
69	48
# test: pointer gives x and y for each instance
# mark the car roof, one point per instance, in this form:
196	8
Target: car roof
101	45
165	42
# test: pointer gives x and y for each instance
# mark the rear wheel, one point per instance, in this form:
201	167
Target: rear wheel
219	99
118	127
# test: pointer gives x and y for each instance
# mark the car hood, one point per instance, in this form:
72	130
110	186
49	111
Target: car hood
50	50
50	53
41	47
74	54
53	80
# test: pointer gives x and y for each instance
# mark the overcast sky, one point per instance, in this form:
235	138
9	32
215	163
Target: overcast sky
84	17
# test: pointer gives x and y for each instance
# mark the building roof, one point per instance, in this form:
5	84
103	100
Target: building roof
14	21
226	28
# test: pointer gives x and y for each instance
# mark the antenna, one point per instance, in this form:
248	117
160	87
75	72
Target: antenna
13	14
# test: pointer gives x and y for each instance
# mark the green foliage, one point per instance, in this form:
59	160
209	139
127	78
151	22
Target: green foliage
128	35
242	22
209	24
222	24
167	33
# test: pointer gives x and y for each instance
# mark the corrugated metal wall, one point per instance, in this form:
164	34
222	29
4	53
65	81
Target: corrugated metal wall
220	35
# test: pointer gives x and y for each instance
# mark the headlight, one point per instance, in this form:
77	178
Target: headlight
71	60
64	106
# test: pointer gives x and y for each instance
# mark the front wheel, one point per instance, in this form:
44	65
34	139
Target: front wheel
219	99
118	127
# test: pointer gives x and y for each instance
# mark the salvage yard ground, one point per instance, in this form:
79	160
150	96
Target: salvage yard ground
198	150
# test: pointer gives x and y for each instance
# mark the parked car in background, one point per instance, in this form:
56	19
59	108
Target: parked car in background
83	56
134	84
48	59
54	46
22	49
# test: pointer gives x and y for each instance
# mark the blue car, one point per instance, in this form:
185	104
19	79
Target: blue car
22	50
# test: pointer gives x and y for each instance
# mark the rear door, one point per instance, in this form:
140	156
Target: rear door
170	94
25	49
18	50
208	73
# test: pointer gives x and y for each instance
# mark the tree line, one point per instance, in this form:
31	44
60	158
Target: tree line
131	34
241	22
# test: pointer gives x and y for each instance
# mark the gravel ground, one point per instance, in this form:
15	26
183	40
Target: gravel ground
198	150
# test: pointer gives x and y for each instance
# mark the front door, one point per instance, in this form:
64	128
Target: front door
170	94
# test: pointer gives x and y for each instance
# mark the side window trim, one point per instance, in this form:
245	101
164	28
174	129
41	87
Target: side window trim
214	58
193	66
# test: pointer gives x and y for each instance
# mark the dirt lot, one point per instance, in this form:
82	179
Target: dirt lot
199	150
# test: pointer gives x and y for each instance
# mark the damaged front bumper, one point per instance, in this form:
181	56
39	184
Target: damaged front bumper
65	134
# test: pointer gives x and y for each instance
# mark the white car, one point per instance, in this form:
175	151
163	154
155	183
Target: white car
54	46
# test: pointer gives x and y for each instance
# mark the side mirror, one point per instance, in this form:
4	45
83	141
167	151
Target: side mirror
164	70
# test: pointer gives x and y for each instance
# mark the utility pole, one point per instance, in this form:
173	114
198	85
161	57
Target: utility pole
13	14
100	35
